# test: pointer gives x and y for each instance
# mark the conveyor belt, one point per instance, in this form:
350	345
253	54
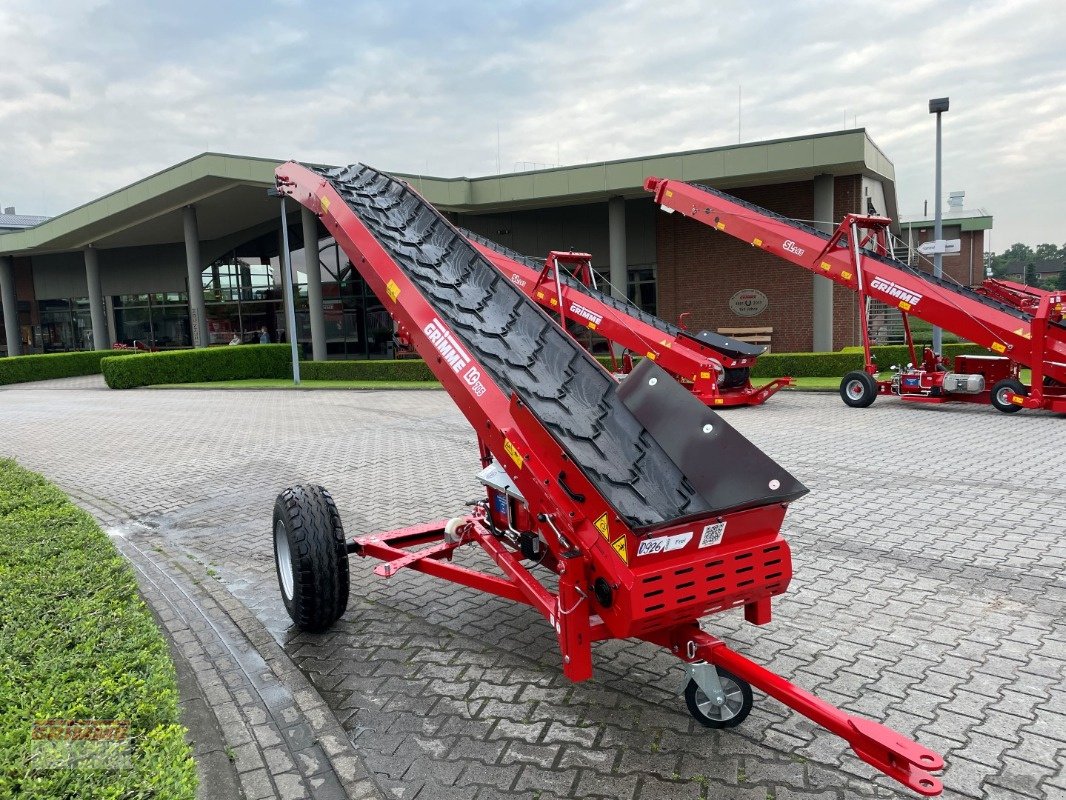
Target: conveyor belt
944	283
723	344
523	350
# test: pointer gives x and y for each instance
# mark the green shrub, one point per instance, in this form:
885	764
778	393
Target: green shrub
197	366
407	369
22	369
809	365
78	643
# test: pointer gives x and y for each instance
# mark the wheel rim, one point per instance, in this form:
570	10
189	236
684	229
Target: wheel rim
855	389
734	701
283	559
1001	396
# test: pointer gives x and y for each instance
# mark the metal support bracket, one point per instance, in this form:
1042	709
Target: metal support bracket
706	677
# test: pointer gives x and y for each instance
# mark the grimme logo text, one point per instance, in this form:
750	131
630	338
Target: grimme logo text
450	350
896	291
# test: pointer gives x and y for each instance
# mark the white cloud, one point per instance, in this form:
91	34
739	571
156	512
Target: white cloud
96	95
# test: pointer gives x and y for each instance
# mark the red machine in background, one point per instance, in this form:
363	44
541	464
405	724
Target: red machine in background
715	368
613	510
1022	327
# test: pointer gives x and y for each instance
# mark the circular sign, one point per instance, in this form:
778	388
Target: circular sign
748	303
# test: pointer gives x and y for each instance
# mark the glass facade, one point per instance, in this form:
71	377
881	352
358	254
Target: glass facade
156	321
241	297
65	325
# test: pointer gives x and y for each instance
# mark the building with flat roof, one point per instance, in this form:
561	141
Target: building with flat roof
121	267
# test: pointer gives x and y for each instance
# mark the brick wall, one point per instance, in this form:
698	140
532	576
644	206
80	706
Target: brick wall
699	270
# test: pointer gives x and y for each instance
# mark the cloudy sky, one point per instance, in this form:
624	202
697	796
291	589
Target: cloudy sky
95	95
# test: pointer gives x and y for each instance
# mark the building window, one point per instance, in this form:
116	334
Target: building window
640	288
65	325
157	321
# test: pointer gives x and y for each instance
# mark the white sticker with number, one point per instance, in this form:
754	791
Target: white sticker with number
664	544
712	534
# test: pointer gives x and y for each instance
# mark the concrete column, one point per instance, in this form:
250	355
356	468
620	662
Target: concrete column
197	310
616	241
822	295
109	315
96	300
10	305
314	284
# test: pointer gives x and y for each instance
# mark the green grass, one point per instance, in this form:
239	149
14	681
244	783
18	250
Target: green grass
78	643
830	384
286	383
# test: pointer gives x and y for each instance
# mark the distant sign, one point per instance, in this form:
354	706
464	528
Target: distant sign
748	303
949	247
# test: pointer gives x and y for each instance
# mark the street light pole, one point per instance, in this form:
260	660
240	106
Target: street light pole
938	106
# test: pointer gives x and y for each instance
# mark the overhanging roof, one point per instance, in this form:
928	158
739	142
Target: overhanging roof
228	190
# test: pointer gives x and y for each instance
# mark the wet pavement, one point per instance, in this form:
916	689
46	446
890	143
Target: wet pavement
928	594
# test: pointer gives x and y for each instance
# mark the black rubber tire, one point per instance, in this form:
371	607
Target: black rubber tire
307	521
998	396
858	389
732	685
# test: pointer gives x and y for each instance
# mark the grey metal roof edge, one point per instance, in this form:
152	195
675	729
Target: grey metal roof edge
15	241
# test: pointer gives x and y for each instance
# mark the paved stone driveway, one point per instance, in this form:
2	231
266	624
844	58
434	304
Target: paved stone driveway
928	593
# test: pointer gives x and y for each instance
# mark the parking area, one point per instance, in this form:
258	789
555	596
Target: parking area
928	592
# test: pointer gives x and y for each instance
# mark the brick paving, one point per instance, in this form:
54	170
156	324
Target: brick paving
927	594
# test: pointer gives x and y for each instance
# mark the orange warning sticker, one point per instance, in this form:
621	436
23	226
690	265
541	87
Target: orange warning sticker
999	347
904	305
391	288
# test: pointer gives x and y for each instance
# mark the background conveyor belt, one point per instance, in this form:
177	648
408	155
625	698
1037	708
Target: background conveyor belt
723	344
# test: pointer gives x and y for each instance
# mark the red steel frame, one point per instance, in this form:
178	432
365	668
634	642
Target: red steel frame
589	541
1034	344
690	362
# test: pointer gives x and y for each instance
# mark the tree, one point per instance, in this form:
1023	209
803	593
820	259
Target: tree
1031	278
1061	282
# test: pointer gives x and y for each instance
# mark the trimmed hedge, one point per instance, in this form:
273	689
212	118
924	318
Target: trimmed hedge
23	369
78	643
813	365
197	366
406	369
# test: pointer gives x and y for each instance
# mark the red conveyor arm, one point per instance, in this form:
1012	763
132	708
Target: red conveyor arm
974	317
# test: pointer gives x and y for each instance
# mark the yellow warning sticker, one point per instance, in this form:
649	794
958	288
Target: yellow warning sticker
512	451
554	302
592	326
705	375
845	275
540	295
826	266
718	401
669	193
904	305
651	356
603	526
999	347
392	289
757	242
324	203
619	546
1017	400
720	226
